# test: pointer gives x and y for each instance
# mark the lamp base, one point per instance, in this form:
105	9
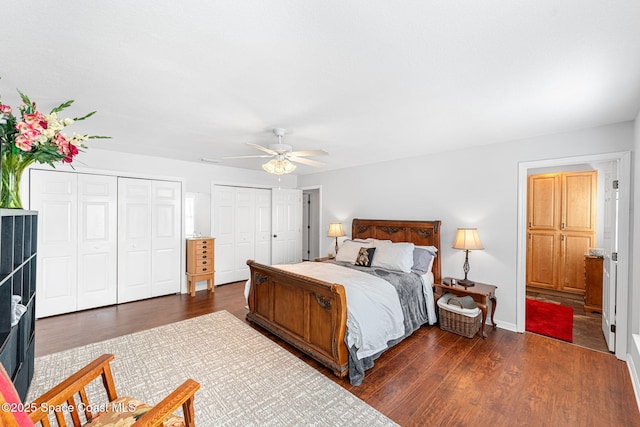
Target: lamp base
466	283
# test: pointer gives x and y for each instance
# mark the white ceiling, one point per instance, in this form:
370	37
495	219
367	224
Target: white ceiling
367	81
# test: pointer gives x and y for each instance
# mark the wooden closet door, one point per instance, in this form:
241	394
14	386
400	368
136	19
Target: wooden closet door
542	259
573	249
561	220
579	191
543	206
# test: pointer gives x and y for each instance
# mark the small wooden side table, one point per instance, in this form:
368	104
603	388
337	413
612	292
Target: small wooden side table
481	294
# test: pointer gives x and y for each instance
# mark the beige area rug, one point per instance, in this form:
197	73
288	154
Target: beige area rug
246	379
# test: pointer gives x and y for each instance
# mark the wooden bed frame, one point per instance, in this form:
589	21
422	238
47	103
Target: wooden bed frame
311	314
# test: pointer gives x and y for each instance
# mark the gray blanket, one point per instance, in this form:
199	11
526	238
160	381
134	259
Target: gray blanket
409	288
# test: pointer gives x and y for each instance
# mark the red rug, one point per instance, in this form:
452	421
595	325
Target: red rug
552	320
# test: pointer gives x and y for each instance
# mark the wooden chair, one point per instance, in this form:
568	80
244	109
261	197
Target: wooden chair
61	400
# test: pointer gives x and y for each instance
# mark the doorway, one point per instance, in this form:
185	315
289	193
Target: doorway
311	233
617	290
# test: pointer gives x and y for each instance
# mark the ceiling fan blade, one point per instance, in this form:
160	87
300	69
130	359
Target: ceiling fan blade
265	149
246	157
307	162
308	153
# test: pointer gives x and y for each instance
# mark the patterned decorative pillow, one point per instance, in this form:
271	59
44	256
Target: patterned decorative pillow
365	256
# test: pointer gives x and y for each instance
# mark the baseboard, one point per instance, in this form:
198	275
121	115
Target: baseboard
633	362
508	326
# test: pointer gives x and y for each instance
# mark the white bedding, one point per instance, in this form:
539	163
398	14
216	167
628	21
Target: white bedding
427	289
374	314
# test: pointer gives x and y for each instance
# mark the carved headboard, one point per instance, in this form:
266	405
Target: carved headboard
420	233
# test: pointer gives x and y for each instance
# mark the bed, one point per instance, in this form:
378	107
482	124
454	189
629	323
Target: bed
309	311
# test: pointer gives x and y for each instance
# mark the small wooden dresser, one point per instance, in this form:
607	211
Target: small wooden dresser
593	283
200	263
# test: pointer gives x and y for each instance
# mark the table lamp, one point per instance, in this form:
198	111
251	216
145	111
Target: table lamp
467	239
336	230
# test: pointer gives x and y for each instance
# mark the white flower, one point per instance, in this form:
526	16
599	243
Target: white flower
68	122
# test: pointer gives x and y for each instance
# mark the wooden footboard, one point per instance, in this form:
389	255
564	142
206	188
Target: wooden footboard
307	313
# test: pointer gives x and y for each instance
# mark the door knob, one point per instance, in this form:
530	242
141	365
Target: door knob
275	235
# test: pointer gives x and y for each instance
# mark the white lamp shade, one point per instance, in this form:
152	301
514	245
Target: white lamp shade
467	239
336	230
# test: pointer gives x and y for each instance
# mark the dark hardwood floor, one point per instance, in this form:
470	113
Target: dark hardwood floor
432	378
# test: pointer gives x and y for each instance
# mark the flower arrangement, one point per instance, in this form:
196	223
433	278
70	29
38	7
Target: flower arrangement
34	137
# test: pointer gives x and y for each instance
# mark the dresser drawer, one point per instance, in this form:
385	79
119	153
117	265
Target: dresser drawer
203	269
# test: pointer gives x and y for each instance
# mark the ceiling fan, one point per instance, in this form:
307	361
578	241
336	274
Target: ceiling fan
282	155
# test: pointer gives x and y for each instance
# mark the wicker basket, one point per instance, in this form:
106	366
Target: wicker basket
460	324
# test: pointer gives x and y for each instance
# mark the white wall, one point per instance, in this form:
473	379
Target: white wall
474	187
198	176
634	273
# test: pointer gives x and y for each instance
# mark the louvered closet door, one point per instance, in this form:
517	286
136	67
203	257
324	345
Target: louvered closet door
166	240
134	239
54	196
97	240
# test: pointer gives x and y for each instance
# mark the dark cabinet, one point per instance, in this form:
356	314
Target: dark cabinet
593	269
18	237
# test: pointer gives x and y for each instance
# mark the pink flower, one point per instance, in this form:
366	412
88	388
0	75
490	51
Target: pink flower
23	143
63	144
37	120
27	131
6	109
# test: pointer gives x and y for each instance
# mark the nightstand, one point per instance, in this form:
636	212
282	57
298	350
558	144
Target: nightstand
481	294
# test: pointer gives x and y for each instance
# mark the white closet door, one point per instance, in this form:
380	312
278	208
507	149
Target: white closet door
263	226
54	195
224	202
286	226
134	239
97	240
244	232
166	239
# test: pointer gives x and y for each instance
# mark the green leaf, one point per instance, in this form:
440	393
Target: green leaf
62	106
24	97
98	137
85	117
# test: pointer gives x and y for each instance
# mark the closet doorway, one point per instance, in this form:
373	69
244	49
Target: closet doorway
611	235
311	224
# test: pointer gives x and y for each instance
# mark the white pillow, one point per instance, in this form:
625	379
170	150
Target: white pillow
394	256
348	251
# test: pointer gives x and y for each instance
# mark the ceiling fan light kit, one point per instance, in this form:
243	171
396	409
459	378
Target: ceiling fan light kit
279	166
283	156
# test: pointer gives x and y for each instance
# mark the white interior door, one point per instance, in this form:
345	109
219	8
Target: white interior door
244	231
263	227
286	246
134	239
166	238
54	195
610	244
97	240
224	232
